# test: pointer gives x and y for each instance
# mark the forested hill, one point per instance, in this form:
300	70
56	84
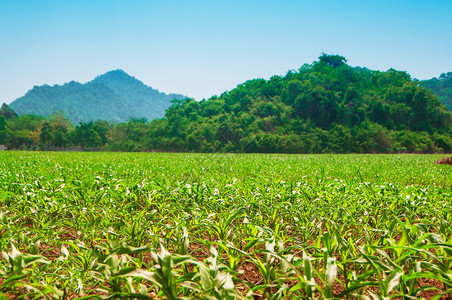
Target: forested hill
113	96
441	86
326	106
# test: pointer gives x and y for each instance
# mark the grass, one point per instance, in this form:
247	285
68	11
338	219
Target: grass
207	226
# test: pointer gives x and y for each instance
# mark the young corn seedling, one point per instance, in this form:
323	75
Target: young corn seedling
306	284
222	229
274	269
166	275
215	280
17	269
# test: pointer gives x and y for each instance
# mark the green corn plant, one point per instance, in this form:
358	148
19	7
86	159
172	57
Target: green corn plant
17	271
215	280
112	263
233	256
165	274
222	229
306	283
181	241
327	274
18	262
274	269
109	273
388	274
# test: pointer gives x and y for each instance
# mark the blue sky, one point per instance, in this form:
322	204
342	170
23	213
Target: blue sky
203	48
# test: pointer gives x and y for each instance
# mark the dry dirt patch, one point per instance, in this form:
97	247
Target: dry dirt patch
444	161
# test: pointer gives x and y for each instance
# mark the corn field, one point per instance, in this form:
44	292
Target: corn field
224	226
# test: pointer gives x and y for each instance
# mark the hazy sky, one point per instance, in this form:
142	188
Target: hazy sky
203	48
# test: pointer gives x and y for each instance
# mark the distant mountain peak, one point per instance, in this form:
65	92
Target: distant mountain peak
112	96
115	74
118	77
116	71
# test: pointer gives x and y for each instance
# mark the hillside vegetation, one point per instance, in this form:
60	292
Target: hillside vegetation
114	96
324	107
441	86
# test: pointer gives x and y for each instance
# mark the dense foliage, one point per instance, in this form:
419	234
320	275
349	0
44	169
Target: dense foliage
441	86
113	96
327	106
230	226
324	107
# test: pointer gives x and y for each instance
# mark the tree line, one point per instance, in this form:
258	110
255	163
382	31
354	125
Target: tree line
323	107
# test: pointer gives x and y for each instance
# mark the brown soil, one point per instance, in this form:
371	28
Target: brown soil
431	293
444	161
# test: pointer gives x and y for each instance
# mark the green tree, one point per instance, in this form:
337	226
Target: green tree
46	136
3	129
333	61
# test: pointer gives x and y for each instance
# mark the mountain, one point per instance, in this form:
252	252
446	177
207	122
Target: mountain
442	87
114	96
